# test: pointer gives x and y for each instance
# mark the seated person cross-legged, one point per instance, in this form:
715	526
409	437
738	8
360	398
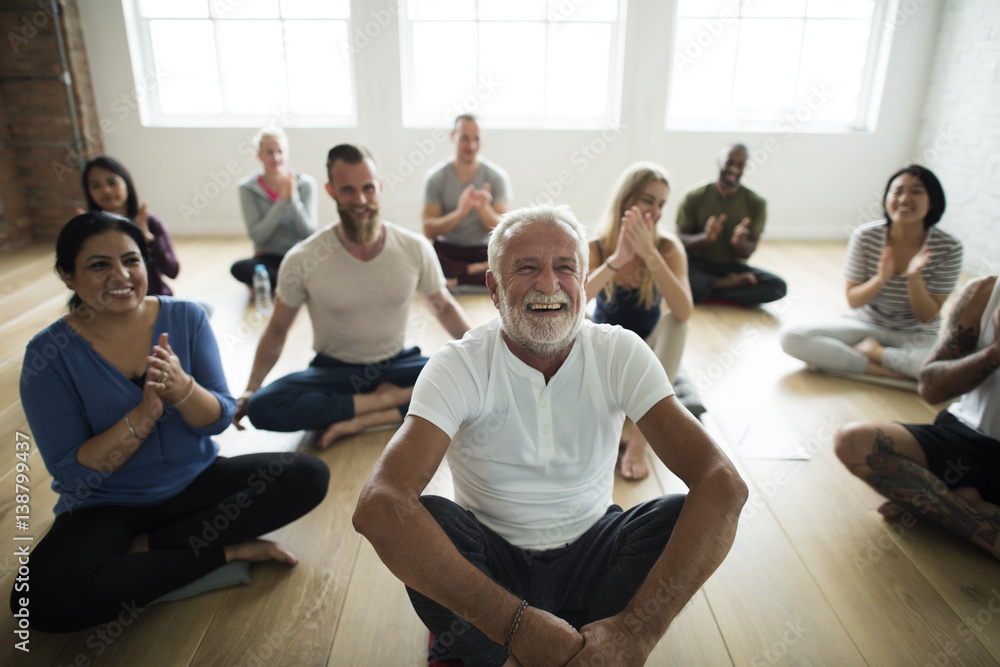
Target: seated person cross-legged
528	409
634	269
899	273
720	225
948	471
463	200
357	278
279	207
123	417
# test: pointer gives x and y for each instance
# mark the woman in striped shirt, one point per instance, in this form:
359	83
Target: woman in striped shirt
899	273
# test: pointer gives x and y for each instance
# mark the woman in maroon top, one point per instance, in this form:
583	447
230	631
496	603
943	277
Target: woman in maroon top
108	187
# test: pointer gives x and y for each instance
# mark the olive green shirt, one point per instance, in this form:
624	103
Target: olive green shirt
703	202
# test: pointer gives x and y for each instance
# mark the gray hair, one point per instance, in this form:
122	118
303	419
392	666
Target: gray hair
547	215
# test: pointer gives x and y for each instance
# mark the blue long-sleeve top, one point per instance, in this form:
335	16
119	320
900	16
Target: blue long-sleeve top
71	393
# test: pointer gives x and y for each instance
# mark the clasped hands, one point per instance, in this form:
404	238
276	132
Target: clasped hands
166	381
471	198
546	639
636	238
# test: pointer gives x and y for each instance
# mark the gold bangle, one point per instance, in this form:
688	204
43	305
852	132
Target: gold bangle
187	395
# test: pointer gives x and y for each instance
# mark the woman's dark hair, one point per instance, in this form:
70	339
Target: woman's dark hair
934	191
76	232
118	169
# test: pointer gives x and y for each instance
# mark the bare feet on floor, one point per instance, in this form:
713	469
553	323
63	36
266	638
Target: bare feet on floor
256	551
634	465
732	280
871	348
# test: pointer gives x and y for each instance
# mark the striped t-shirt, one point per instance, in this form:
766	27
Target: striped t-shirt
891	307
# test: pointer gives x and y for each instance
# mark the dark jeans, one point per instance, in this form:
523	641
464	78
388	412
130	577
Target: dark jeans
81	575
589	579
702	275
323	394
243	269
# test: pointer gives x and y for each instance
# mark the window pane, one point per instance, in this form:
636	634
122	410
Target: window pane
319	71
583	10
775	8
443	10
184	53
247	9
519	74
703	71
830	88
708	7
578	70
511	10
442	80
316	9
250	57
766	66
841	9
168	9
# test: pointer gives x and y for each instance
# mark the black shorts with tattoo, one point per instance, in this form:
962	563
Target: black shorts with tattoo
959	455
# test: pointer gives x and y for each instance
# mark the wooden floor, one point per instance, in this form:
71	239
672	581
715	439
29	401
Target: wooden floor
816	577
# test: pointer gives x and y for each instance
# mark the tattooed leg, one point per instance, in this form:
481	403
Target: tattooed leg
908	484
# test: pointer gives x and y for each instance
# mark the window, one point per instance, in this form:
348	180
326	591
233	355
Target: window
778	65
242	63
516	63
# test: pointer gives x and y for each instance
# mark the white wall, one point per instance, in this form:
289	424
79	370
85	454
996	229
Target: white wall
961	128
818	185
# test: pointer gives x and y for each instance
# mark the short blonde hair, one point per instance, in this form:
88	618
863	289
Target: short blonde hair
270	133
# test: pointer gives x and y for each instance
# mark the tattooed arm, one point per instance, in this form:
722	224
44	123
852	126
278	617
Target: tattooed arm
955	367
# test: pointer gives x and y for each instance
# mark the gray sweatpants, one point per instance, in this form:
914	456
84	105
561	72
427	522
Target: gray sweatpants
828	346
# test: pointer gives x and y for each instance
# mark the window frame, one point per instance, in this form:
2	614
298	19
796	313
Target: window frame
616	73
869	99
144	72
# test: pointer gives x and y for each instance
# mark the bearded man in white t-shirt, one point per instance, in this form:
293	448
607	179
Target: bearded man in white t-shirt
533	563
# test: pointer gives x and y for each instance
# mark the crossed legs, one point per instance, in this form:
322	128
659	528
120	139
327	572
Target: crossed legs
890	459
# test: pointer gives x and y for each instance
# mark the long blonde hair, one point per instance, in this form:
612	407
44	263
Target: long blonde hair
629	186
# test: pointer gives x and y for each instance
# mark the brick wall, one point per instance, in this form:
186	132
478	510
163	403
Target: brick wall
41	158
960	129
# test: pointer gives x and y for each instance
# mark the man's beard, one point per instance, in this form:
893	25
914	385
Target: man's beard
544	336
362	232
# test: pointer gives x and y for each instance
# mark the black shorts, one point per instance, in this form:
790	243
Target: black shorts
959	455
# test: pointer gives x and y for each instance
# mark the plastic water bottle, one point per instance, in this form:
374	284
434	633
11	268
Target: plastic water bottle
262	290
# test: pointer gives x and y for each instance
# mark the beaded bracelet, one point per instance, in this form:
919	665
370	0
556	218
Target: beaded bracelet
513	626
187	395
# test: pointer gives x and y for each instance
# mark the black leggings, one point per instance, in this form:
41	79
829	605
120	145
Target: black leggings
81	575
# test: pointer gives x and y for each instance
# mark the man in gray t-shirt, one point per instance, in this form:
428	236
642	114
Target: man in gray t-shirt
463	201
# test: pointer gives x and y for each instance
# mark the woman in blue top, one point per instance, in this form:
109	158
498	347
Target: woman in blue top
122	396
633	269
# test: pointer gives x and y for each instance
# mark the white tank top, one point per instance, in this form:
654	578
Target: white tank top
980	408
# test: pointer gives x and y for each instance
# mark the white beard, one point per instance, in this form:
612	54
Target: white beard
543	336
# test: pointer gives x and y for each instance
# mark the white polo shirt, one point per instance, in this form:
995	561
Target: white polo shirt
534	461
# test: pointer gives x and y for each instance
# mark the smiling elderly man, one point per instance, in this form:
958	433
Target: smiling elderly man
533	563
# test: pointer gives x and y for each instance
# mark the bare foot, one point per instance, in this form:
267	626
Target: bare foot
393	394
871	348
890	510
256	551
359	423
450	282
478	267
733	280
634	465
